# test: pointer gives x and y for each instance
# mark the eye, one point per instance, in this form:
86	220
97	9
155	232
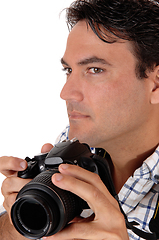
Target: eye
95	70
67	70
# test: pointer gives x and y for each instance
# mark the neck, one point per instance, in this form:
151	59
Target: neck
128	156
120	174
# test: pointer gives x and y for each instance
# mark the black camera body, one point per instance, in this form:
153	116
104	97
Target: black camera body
41	208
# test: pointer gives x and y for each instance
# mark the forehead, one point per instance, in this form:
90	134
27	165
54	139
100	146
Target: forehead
84	27
82	42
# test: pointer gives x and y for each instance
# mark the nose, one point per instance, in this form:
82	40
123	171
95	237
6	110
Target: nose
72	90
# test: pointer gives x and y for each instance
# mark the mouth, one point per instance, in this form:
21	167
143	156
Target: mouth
77	116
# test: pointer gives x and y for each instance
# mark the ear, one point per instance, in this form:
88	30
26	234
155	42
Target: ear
155	89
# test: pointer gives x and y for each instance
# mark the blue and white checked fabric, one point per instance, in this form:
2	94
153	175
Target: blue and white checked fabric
64	135
2	210
138	196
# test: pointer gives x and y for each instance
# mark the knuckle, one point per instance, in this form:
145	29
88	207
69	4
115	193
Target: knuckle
9	201
6	183
11	162
5	205
12	198
96	194
2	190
6	163
2	161
97	178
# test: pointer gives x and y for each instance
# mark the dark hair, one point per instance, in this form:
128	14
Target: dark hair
133	20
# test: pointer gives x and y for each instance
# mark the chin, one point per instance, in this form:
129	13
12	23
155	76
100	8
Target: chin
84	133
82	138
78	135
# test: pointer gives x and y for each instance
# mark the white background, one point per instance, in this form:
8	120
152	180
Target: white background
32	41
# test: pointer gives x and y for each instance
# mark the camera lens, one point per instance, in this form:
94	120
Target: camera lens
35	214
34	209
42	209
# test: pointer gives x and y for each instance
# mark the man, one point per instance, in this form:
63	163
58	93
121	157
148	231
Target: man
112	97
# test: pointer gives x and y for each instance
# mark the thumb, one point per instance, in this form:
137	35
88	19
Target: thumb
46	147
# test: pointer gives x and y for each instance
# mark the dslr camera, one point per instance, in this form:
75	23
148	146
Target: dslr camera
42	209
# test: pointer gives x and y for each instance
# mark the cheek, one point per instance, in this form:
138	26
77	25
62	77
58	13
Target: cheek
107	97
117	102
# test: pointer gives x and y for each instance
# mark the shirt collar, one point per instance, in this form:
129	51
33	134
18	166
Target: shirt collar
151	165
137	186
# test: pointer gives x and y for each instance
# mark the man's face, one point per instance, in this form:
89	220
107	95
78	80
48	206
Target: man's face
106	102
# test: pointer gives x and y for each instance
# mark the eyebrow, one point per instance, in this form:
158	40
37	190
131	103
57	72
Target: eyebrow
88	61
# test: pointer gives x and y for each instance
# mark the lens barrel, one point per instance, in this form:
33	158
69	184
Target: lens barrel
42	209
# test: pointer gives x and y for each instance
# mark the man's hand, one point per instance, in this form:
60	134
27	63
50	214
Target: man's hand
107	223
9	166
7	230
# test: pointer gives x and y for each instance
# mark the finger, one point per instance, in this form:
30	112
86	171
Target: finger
46	147
107	217
89	177
13	185
8	203
10	188
83	189
83	231
10	165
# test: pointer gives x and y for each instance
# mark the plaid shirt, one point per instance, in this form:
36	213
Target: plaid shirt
138	196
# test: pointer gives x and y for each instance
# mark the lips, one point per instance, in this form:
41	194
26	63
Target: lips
76	115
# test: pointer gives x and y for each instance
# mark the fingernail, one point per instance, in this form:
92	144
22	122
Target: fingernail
58	177
23	165
64	166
